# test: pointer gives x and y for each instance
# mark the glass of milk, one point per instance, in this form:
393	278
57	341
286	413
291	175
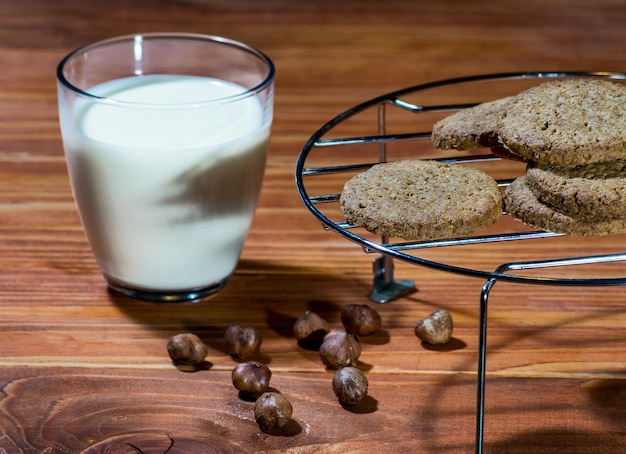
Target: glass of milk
165	138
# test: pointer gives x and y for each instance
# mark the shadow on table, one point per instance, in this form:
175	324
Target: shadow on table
559	442
258	294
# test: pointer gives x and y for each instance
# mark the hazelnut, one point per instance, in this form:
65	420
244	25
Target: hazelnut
271	411
242	341
436	328
186	349
340	348
251	377
360	319
310	328
350	385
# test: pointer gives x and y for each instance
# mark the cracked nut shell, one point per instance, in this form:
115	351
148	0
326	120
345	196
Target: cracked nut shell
339	349
272	410
186	348
435	328
310	328
350	385
360	319
242	341
251	377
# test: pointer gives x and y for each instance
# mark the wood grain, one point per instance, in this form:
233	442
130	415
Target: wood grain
85	370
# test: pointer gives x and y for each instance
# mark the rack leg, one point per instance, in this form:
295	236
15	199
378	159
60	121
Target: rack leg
385	287
482	361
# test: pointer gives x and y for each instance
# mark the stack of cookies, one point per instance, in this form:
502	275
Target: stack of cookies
572	134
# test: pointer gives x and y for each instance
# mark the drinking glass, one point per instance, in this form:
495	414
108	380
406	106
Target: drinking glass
165	138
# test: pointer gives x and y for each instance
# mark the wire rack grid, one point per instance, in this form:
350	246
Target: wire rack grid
364	136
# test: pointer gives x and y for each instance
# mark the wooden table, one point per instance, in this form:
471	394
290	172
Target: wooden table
82	368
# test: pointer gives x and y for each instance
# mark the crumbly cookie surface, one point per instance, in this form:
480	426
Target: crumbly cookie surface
421	200
521	203
566	122
469	128
595	191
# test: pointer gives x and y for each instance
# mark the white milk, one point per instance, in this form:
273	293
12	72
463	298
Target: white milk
167	194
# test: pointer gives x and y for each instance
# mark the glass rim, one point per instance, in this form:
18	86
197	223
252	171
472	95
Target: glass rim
267	81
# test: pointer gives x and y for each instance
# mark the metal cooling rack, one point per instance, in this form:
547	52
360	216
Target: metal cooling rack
343	152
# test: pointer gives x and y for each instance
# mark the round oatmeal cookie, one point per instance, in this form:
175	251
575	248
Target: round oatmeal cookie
521	203
469	128
594	191
566	122
421	200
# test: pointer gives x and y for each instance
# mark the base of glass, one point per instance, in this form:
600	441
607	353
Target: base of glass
165	296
